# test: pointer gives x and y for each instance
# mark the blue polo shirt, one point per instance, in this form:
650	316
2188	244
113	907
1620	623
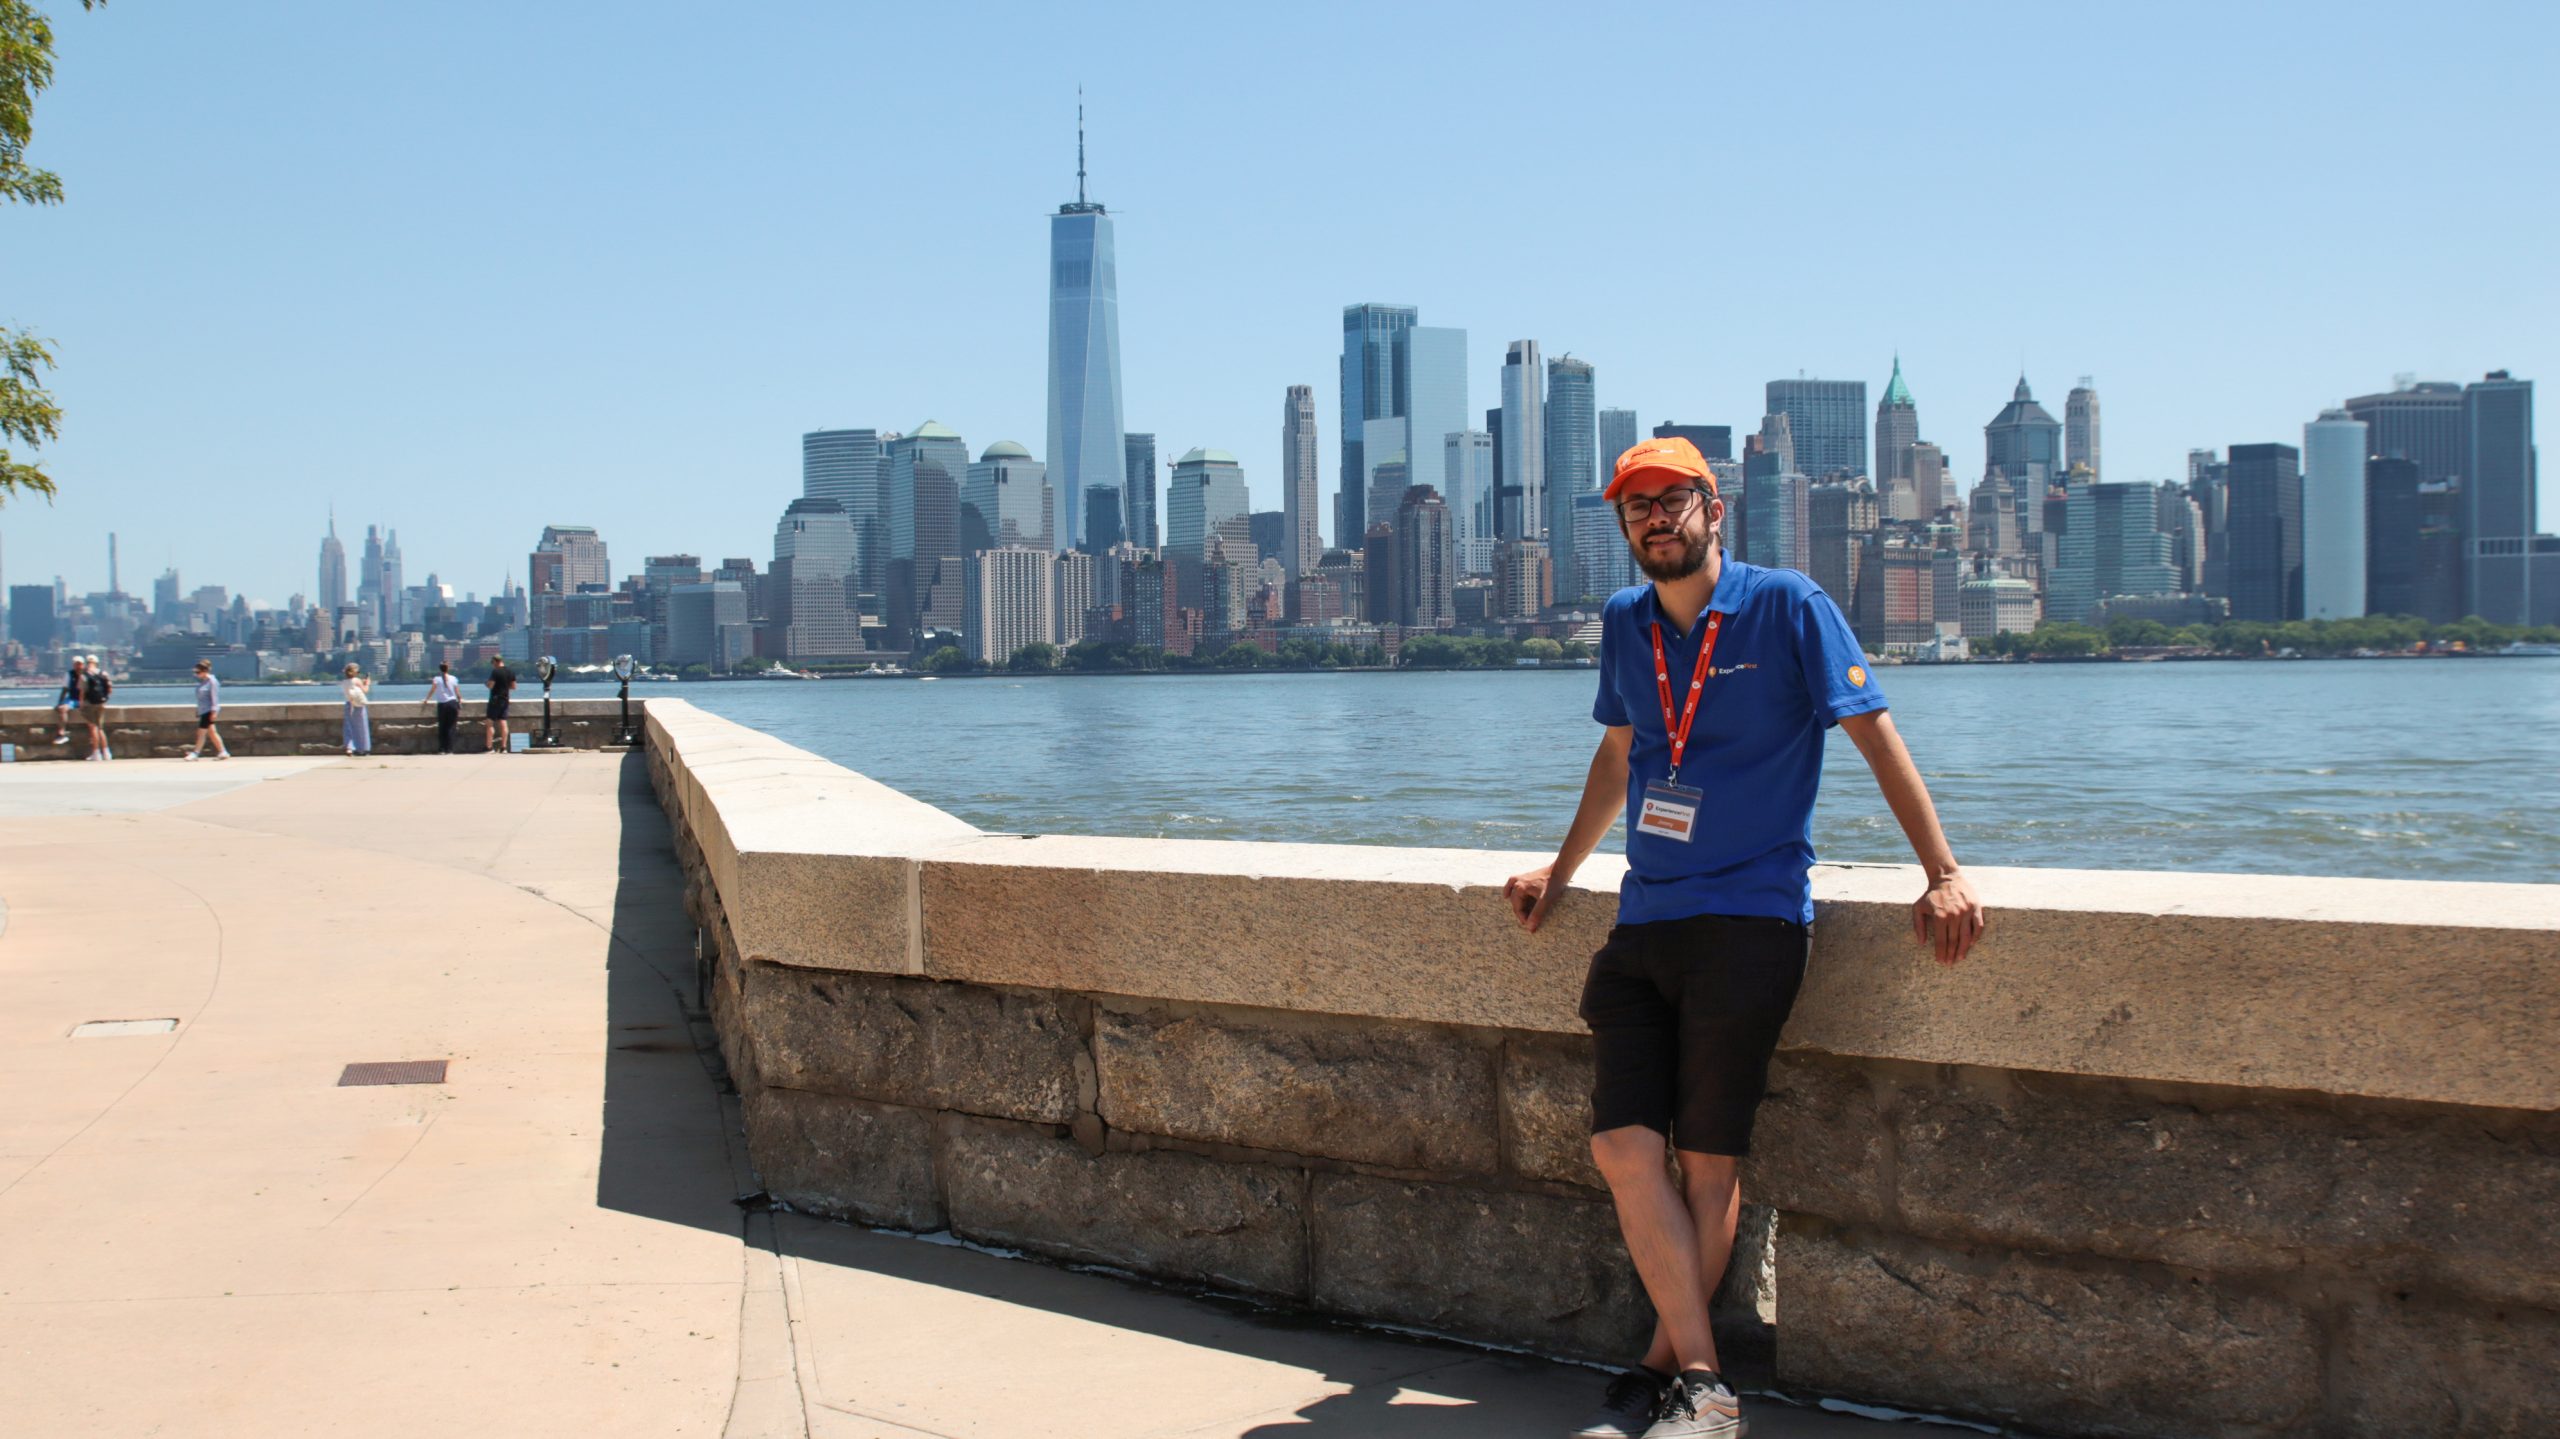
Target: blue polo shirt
1786	670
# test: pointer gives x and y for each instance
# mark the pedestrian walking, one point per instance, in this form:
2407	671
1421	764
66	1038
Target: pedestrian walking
502	684
359	722
94	689
446	696
1716	780
66	703
208	708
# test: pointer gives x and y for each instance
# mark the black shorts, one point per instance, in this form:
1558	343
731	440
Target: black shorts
204	719
498	708
1684	1014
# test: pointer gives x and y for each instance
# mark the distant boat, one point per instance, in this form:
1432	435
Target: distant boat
2520	647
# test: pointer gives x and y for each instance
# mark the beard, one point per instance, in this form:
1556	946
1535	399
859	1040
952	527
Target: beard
1687	561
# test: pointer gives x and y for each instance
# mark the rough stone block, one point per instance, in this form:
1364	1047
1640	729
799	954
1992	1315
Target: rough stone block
1819	1145
2077	1349
1403	1095
1162	1213
2439	1198
823	1154
1534	1270
2407	1370
1546	1108
916	1042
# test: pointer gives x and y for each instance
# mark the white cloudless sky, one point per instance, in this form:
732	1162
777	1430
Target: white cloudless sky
468	269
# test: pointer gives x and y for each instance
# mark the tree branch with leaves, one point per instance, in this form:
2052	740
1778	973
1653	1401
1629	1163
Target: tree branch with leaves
28	415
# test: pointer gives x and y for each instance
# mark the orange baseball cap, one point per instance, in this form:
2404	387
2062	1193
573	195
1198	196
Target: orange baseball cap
1665	457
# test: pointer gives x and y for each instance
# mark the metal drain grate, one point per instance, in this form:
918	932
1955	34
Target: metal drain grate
113	1028
396	1071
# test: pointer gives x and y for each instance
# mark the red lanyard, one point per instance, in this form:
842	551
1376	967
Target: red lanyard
1697	686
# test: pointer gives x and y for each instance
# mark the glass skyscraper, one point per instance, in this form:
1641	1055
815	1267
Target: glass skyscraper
1138	489
1617	436
1084	351
1468	462
846	466
1435	386
1572	443
1206	498
1828	420
2333	515
1369	392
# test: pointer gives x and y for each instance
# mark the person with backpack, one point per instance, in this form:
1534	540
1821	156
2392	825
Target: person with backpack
94	689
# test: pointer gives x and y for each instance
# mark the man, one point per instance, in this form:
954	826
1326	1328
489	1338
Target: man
94	689
208	707
493	726
446	696
1717	684
68	700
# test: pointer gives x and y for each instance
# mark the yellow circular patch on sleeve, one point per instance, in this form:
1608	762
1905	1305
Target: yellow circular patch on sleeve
1857	676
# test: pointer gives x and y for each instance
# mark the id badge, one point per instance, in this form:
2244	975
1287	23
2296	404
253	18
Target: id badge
1670	811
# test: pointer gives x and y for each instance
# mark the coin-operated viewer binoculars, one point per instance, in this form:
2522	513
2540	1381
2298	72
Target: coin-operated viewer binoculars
549	738
628	733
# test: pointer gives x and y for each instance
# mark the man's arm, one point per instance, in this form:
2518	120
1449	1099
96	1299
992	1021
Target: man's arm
1949	917
1604	794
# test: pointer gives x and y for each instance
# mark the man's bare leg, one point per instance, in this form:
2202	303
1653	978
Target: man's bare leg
1667	1239
1714	1194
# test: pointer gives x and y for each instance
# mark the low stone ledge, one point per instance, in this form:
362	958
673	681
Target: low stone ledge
1402	1096
1175	1216
816	863
2439	992
2238	1183
2077	1349
1820	1144
2405	1368
1546	1109
844	1158
916	1042
303	728
1544	1273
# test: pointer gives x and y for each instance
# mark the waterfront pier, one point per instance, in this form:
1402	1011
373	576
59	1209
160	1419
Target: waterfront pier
2172	1154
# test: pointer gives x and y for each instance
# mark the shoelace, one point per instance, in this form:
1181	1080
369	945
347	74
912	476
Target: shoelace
1682	1400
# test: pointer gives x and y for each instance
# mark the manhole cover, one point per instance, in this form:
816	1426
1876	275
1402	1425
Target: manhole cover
396	1071
111	1028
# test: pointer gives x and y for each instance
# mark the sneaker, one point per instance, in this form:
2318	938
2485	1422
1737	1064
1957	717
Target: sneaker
62	739
1698	1405
190	756
1630	1404
222	754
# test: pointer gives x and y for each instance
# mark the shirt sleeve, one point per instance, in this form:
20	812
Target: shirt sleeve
1608	708
1836	677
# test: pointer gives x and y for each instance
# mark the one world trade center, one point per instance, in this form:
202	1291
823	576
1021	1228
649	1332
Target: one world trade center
1084	358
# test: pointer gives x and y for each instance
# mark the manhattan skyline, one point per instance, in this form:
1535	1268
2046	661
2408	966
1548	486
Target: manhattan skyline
568	307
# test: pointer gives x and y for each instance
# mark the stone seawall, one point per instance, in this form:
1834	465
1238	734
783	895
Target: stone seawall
2172	1155
399	727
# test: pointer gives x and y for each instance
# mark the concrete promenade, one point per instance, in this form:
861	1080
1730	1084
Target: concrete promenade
202	1233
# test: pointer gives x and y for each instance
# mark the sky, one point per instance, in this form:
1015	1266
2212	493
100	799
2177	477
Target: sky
468	269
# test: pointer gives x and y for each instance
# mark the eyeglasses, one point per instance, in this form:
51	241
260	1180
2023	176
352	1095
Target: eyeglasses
1672	503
